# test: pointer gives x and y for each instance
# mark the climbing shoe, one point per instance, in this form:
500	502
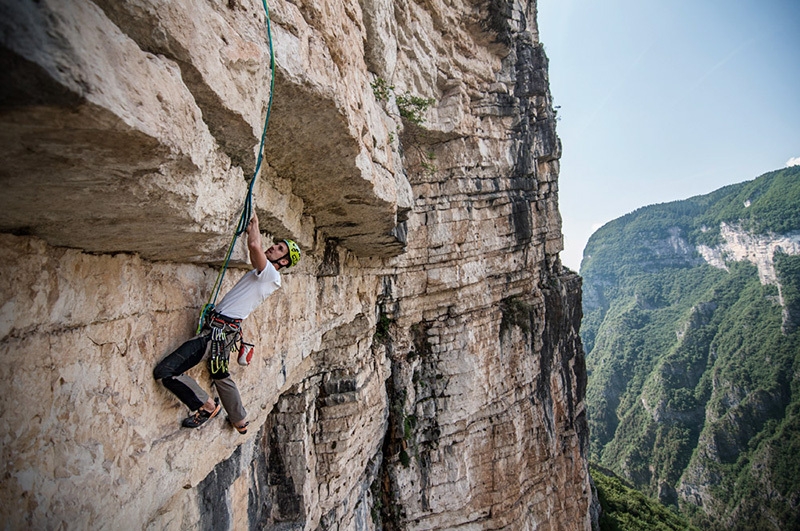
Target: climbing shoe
201	416
240	429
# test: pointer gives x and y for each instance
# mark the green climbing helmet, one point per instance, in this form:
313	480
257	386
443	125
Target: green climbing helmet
294	252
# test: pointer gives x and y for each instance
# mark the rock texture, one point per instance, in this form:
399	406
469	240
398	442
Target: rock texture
759	249
421	368
739	245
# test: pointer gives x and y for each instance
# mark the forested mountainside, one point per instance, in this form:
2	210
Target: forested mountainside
691	313
626	509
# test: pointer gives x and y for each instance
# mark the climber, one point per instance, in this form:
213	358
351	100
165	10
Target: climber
220	333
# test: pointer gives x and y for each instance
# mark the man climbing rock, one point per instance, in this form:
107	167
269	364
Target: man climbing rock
221	332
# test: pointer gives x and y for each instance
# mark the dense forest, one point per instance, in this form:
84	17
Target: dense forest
694	367
626	509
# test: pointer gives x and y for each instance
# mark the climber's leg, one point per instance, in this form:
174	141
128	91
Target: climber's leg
170	371
188	391
231	400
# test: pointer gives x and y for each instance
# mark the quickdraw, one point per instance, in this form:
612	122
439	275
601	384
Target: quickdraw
225	334
219	362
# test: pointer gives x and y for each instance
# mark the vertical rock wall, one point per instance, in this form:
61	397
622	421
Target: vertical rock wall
421	368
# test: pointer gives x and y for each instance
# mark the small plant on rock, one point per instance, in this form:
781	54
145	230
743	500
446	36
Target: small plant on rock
411	107
382	89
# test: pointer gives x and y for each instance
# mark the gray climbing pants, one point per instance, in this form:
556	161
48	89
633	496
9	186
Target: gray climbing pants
171	373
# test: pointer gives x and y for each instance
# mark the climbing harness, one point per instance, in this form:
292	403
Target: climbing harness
247	209
225	334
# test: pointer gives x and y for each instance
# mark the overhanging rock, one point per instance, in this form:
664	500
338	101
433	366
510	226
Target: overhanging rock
96	160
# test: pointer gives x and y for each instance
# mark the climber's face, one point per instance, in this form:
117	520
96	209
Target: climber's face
278	253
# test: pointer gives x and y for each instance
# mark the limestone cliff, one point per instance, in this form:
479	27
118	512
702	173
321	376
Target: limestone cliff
421	368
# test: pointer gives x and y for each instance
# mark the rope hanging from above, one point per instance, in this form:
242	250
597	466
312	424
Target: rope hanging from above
247	209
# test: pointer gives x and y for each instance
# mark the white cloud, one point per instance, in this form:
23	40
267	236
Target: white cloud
794	161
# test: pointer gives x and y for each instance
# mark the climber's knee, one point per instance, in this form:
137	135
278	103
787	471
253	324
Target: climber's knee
161	372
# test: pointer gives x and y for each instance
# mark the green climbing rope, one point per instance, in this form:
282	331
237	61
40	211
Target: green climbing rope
247	209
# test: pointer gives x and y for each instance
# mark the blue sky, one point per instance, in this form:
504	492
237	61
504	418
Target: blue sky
663	100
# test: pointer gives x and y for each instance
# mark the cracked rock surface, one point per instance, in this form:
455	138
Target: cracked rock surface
420	369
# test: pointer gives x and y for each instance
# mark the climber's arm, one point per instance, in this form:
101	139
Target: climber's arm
257	255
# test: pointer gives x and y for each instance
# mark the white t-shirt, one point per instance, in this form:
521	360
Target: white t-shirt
249	293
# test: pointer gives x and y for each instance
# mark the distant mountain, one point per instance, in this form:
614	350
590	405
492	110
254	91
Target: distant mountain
691	314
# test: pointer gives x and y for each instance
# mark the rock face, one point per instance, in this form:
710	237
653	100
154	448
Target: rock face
420	369
759	249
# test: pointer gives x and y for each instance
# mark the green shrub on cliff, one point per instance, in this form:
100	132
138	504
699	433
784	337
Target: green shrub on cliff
410	106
